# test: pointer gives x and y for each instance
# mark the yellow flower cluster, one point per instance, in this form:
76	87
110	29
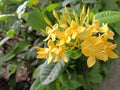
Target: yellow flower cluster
76	33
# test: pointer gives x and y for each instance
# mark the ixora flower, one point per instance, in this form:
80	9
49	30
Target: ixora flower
51	32
50	51
76	33
95	47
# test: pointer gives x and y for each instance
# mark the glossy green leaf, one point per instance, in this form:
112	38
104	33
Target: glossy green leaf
9	56
95	78
51	7
12	68
95	68
11	53
3	17
74	54
51	86
117	41
69	80
66	2
108	16
36	20
89	1
109	4
116	27
36	72
16	1
37	85
22	45
10	33
49	72
32	2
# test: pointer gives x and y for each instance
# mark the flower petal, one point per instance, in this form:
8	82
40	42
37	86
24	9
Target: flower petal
64	57
56	58
49	58
102	56
113	55
91	61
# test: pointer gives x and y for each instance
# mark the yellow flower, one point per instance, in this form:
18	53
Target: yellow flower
62	38
96	47
51	32
46	52
108	35
60	53
91	39
74	30
107	52
42	52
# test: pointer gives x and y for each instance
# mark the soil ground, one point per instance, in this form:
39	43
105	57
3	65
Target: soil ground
113	80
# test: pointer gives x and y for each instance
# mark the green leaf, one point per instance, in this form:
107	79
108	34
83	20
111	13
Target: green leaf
66	2
117	41
32	2
51	86
108	16
12	68
1	70
16	1
51	7
95	78
74	54
69	80
49	72
3	17
95	68
36	20
36	72
9	56
22	45
109	5
116	27
10	33
37	85
89	1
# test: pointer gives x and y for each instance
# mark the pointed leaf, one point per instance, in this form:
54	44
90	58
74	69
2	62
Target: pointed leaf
109	4
95	78
49	72
36	72
51	7
32	2
89	1
69	80
10	33
66	2
36	20
37	85
108	16
116	27
74	54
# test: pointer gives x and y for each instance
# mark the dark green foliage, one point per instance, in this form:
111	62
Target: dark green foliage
22	27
